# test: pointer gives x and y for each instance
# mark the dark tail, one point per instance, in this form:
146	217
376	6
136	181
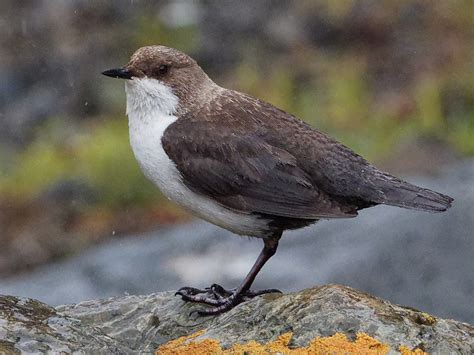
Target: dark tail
397	192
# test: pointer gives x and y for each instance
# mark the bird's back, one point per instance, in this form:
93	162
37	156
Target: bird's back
332	167
341	172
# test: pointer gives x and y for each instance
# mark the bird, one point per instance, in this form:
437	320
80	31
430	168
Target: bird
243	164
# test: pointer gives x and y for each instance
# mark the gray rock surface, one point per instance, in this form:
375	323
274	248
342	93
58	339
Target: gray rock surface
413	258
29	326
132	324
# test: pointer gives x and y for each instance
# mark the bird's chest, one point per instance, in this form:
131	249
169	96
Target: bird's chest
145	139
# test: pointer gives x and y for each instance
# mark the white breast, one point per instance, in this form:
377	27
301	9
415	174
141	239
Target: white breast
150	108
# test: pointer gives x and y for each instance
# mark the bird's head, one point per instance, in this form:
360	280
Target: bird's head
158	77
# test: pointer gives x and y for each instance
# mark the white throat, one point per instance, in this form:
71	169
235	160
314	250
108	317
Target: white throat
147	97
150	108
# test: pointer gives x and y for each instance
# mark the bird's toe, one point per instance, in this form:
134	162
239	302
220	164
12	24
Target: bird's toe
189	291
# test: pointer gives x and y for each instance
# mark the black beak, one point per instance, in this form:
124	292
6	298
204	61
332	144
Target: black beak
120	73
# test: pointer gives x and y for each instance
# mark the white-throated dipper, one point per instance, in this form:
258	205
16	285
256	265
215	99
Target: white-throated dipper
243	164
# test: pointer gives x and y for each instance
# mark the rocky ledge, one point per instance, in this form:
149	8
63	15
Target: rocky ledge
132	324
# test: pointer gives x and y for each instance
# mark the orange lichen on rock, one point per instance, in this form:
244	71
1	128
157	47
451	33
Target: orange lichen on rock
336	344
186	345
404	350
339	344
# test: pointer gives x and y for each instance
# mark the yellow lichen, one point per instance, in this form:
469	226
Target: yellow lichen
427	318
406	351
339	344
336	344
185	345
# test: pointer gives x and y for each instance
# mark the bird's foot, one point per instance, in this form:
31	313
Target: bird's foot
217	296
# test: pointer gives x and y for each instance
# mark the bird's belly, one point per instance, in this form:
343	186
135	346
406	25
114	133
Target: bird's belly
161	170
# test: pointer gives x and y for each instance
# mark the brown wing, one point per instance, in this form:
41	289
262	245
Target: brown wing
233	165
331	166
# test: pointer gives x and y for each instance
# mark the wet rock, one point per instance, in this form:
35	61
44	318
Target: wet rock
133	324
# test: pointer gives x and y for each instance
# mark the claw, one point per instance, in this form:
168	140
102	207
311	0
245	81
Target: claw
217	296
229	304
201	299
189	290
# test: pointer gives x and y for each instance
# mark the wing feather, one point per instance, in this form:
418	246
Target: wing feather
235	167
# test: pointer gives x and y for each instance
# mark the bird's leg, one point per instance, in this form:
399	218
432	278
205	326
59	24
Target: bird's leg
223	299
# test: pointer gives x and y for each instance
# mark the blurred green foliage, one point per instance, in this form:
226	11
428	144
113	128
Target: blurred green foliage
99	156
42	163
340	102
107	162
150	30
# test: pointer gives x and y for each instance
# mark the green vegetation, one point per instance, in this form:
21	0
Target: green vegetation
340	102
150	30
108	164
99	156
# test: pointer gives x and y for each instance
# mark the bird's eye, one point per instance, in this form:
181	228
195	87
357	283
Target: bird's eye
163	69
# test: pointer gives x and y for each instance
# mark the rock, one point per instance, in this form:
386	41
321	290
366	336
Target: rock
29	326
132	324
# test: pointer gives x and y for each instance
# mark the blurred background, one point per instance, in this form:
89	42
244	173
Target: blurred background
393	80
